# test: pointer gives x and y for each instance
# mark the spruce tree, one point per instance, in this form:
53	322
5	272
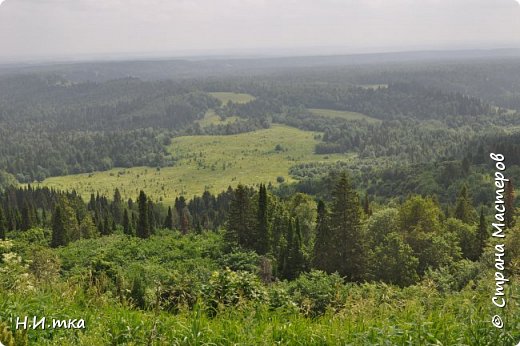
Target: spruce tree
106	226
59	234
483	234
151	217
347	251
27	220
463	209
286	264
143	224
127	227
117	206
322	243
87	229
509	205
3	225
241	221
168	222
295	258
262	234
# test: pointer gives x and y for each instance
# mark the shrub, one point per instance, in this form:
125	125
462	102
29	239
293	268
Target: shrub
229	288
313	292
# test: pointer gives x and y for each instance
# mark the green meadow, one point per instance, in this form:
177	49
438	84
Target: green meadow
212	118
207	163
225	97
329	113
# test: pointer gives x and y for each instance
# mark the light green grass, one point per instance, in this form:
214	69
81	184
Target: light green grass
233	97
207	163
329	113
211	118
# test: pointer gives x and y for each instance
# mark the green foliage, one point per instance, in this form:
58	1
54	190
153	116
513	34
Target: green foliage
395	261
230	288
463	209
316	291
455	276
241	261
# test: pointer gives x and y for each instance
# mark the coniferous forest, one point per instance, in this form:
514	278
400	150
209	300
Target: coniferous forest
375	229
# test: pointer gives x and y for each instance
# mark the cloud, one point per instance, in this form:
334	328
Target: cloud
53	27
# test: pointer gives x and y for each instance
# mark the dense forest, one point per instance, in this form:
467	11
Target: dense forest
381	235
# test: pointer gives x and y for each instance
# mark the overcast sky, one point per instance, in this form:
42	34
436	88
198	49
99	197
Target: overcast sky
31	29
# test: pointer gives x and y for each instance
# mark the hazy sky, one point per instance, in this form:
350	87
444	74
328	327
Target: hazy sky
30	29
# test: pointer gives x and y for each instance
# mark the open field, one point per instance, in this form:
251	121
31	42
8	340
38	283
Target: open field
207	163
211	118
329	113
233	97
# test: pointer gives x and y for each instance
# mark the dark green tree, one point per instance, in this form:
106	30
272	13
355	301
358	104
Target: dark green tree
106	226
482	232
323	242
117	207
27	217
143	223
168	221
151	217
510	205
3	225
463	208
241	220
59	232
127	226
262	236
347	251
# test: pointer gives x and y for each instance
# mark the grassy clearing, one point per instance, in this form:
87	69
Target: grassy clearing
207	163
211	118
329	113
233	97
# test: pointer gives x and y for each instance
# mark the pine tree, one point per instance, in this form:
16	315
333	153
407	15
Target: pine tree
168	222
347	252
483	234
59	234
262	236
143	224
127	227
509	205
